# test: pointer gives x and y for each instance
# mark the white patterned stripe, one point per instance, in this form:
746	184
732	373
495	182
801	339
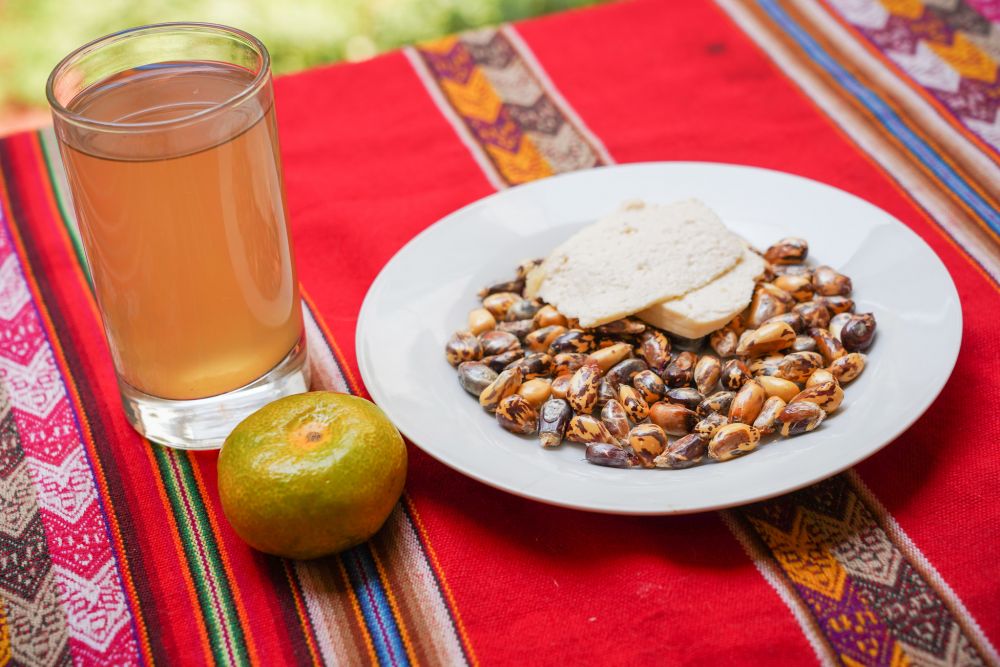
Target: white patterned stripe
929	69
405	555
927	194
53	454
925	568
38	634
457	124
772	574
95	603
567	111
324	370
930	198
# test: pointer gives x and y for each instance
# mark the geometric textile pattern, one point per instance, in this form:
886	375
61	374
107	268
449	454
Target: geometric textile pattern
500	102
33	625
872	604
78	601
947	47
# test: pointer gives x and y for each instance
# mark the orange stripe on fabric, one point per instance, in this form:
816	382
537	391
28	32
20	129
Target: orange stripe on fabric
5	651
359	390
943	233
932	223
161	490
213	523
764	20
72	389
356	606
394	606
887	98
84	285
333	607
62	232
300	609
478	99
945	113
403	574
436	566
345	368
72	392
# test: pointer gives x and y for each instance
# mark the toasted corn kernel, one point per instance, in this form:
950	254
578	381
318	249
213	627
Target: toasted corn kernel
733	440
614	417
517	415
648	441
768	417
583	388
775	386
747	403
707	372
800	417
848	367
548	316
536	391
481	320
585	428
607	357
463	346
673	418
611	456
635	407
683	452
552	421
505	385
827	395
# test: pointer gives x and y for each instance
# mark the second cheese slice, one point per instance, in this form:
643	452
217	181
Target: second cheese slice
637	257
711	306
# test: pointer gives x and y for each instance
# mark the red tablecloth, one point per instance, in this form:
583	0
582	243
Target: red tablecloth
113	551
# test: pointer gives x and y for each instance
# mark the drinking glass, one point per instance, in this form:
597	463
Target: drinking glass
168	136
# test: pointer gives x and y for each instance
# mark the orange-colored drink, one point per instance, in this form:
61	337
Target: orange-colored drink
185	228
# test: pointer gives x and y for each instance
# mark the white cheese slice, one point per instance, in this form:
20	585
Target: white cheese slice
636	257
702	311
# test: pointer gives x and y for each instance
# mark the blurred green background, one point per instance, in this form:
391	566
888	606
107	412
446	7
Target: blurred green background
35	34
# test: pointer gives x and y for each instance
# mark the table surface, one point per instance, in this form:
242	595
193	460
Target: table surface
115	551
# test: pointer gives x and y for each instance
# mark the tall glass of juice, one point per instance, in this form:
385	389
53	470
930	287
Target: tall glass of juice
168	137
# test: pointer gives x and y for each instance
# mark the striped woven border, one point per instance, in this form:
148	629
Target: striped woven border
82	603
384	602
944	51
841	22
855	583
504	108
30	597
861	591
867	113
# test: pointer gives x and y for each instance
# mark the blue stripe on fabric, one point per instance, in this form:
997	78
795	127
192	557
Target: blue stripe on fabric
364	578
886	115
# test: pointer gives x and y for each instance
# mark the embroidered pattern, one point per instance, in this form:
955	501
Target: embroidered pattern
77	591
868	599
946	46
510	117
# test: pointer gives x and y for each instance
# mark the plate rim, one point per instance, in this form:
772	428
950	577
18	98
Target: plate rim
364	363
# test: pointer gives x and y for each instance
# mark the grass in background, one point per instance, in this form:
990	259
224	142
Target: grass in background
35	34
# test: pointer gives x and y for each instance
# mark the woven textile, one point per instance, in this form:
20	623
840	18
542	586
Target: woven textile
114	551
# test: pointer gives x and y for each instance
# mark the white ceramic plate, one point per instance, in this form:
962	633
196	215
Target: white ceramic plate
425	292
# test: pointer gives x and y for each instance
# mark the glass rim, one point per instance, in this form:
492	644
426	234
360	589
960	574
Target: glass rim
260	77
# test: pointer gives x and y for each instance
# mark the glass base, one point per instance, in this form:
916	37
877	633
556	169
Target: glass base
204	423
